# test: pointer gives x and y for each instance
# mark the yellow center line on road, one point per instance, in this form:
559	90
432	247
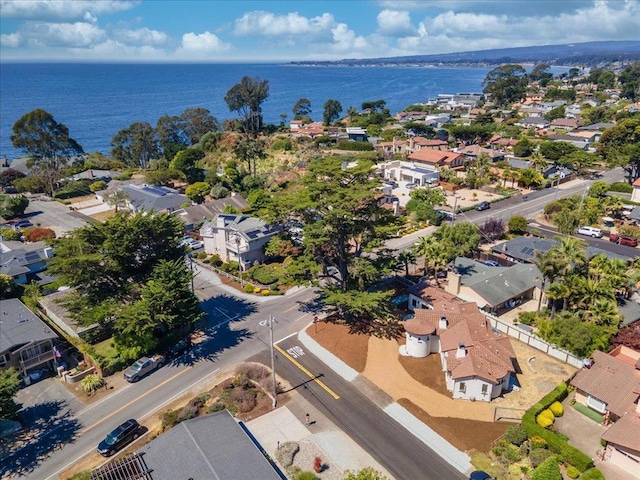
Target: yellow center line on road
313	377
103	419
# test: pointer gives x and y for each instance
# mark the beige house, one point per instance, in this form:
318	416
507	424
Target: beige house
610	385
477	362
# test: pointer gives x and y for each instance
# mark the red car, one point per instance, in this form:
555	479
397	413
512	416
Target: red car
623	239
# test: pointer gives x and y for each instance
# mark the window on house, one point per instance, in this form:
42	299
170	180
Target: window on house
485	388
597	405
4	359
463	387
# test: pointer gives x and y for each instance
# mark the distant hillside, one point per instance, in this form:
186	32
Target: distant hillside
588	54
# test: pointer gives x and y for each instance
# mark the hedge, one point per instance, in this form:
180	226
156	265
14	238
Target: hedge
354	146
557	444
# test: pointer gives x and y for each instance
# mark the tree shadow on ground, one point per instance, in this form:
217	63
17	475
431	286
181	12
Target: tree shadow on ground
314	305
48	427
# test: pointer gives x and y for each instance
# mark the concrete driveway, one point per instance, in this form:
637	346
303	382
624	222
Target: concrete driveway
54	215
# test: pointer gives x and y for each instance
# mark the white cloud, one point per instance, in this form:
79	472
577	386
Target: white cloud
77	34
142	36
11	40
62	9
260	23
198	44
394	23
455	32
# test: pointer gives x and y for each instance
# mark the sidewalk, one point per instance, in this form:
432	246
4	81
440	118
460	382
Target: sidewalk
459	460
320	438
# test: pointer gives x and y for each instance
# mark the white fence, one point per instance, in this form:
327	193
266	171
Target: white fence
534	341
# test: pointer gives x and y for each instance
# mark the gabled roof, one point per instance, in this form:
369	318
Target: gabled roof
488	355
524	248
250	228
17	258
434	157
477	150
611	381
158	199
496	285
625	432
208	210
212	446
20	326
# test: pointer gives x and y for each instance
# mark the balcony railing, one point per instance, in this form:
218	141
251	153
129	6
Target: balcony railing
37	360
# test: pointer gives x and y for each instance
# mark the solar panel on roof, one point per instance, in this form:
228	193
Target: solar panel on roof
31	256
155	190
528	250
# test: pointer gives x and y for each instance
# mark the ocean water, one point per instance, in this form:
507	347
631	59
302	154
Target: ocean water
95	101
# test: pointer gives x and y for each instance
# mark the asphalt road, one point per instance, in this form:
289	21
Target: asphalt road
402	454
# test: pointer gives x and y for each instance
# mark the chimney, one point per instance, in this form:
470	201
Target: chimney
453	283
461	352
443	323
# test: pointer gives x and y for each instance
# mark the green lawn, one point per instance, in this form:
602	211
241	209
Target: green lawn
593	415
106	349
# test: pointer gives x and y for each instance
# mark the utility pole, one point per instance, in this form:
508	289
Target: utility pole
270	323
191	267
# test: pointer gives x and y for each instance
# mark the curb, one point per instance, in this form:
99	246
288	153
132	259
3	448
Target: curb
456	458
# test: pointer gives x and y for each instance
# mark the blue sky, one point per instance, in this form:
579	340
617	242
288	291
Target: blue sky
276	31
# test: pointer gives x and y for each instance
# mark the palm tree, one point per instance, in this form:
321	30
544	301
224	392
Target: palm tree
405	258
572	251
589	290
555	292
550	267
603	312
435	254
351	111
507	173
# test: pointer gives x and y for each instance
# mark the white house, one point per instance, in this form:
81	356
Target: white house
477	362
239	238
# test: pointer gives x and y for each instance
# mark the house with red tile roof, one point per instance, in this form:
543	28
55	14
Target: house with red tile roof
437	158
610	385
415	144
472	152
478	362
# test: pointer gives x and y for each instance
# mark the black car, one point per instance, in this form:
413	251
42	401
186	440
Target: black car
483	206
119	438
480	475
178	349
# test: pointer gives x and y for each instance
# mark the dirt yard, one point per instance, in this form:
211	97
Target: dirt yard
419	384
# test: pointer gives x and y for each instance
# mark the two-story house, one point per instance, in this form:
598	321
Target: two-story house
237	238
26	342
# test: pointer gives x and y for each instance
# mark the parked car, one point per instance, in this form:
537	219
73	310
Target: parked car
623	239
119	438
22	224
483	206
411	185
178	349
480	475
590	232
391	183
142	367
491	263
191	243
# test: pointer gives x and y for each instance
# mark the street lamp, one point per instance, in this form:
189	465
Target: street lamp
270	323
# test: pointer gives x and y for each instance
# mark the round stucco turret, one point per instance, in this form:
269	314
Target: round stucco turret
418	335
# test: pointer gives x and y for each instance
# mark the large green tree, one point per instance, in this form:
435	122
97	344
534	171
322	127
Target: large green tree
343	222
47	143
302	109
135	145
187	162
630	80
506	84
249	150
331	112
246	98
12	206
620	145
9	386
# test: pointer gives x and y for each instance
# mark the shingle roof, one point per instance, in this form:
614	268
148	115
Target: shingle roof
213	446
524	248
625	432
611	381
20	325
158	199
208	210
488	355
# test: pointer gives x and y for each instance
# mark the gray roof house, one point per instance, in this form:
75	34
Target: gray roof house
26	342
25	261
213	446
523	249
237	237
493	289
207	211
147	198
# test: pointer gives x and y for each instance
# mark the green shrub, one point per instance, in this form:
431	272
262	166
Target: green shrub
592	474
545	418
539	455
248	288
568	453
287	453
216	407
306	475
538	442
264	274
201	256
10	234
91	383
547	470
354	146
516	434
572	472
97	186
527	318
169	419
622	187
557	409
201	399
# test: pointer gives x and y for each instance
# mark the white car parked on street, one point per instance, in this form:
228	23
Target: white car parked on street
590	232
